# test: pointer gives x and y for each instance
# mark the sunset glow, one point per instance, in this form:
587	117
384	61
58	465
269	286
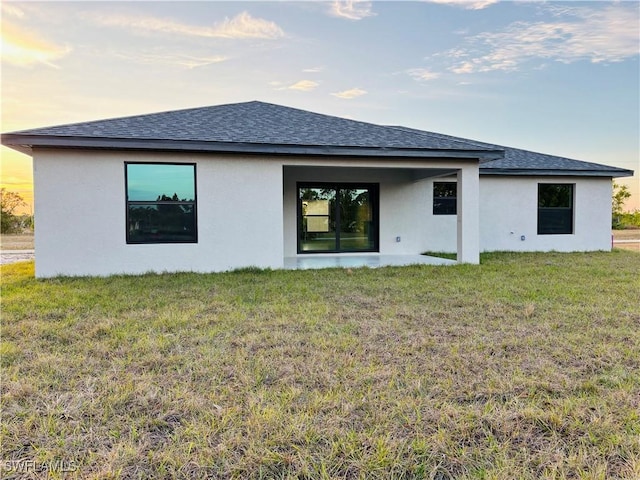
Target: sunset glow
24	49
556	77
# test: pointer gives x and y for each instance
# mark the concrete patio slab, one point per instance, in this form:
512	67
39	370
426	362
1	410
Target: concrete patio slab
309	262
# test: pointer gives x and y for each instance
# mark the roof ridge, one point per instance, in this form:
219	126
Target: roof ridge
140	115
491	145
506	149
417	131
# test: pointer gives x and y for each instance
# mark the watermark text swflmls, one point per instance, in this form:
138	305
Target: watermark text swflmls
32	466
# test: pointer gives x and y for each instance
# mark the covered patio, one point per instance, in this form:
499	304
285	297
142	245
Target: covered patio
395	228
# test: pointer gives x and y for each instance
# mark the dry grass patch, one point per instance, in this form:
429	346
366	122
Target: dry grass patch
16	241
523	367
627	234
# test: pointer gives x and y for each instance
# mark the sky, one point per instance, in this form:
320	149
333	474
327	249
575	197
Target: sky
561	78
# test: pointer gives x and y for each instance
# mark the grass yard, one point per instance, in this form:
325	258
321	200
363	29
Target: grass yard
527	366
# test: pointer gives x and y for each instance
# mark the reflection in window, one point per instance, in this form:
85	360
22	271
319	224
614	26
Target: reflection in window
445	198
337	218
555	208
317	207
161	203
317	213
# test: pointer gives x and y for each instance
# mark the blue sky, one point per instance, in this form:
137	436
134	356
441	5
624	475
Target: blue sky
557	77
150	182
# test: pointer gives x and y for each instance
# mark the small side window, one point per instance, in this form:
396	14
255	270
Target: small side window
445	198
555	208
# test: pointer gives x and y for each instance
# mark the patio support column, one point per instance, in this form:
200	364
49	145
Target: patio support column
468	214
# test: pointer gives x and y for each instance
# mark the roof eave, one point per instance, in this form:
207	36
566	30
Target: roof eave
21	141
15	141
614	173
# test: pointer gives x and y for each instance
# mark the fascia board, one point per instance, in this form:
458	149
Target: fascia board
554	172
14	140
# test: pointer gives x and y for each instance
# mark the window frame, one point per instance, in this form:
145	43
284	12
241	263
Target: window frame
544	228
129	203
437	210
374	189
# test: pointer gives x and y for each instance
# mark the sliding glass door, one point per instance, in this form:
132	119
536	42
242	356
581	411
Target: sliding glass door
337	218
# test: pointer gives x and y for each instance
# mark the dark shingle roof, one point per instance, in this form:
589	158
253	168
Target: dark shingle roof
524	162
257	127
250	124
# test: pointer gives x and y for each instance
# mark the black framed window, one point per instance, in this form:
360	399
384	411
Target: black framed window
445	198
161	202
555	208
337	217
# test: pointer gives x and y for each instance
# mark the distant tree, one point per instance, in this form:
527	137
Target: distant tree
620	195
25	222
9	202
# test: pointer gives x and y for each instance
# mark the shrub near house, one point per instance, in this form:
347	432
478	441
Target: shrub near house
10	221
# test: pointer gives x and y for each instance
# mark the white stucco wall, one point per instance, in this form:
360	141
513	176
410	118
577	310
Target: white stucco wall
509	210
439	231
247	211
81	224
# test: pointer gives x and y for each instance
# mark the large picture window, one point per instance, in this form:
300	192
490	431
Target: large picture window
161	203
337	218
555	208
445	198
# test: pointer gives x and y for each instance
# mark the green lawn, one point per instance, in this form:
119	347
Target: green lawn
527	366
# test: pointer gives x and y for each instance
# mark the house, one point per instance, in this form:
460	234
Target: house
256	184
